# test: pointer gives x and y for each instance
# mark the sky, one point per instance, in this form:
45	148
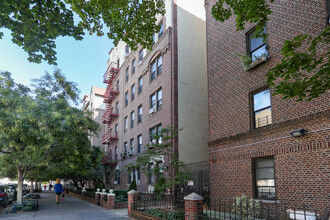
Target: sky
83	62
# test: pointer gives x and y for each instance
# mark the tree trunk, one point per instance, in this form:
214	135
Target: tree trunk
31	187
20	187
37	186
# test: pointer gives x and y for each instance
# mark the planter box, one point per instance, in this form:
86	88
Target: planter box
256	63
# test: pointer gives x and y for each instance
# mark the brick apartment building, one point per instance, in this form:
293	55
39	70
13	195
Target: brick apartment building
149	90
251	149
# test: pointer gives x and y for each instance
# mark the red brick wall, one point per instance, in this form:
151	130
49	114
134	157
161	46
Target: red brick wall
301	164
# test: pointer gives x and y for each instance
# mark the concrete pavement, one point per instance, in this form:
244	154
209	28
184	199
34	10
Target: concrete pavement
71	209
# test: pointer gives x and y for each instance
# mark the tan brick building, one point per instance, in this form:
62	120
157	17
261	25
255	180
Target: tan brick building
149	90
251	148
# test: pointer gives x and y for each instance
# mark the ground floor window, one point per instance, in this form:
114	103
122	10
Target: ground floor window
264	176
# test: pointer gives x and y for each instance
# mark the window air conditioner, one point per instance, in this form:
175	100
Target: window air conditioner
151	111
150	146
130	153
123	155
115	182
138	181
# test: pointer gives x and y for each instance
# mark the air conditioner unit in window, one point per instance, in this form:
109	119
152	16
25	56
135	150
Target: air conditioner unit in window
151	111
150	146
123	155
138	181
115	182
130	153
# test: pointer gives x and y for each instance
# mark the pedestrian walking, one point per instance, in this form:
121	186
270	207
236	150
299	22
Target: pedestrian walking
58	190
50	186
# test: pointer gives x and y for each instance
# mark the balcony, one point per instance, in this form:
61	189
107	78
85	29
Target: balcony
110	115
108	137
108	160
111	73
110	93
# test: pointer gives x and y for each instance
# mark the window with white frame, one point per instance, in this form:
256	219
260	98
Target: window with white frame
156	100
140	82
126	98
126	124
139	142
127	74
156	67
140	56
133	66
140	114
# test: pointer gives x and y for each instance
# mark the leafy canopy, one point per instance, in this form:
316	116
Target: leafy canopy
35	24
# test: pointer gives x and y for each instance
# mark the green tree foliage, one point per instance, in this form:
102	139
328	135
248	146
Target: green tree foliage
35	24
161	155
38	124
302	74
132	186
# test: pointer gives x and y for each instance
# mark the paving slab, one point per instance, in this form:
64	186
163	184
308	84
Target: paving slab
71	208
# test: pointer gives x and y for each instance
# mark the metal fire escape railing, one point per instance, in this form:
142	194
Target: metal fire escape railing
110	93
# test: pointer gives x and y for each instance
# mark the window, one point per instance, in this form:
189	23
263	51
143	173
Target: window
161	29
116	87
153	101
133	66
117	177
117	107
126	124
126	74
132	144
139	145
140	81
110	154
264	171
256	46
262	111
153	39
125	147
153	131
118	63
156	67
328	12
126	48
140	56
131	175
132	119
156	100
138	174
159	170
151	173
140	114
126	98
116	153
116	129
159	99
132	92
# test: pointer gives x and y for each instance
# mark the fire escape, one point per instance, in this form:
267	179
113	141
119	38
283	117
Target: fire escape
111	113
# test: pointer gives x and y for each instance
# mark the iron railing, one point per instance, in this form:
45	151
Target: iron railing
247	208
161	206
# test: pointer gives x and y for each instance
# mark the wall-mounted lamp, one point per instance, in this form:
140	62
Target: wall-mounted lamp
298	133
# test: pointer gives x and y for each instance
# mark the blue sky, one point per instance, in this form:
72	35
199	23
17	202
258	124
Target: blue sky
83	62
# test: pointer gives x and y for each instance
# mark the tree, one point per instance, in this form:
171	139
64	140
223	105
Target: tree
36	24
161	159
35	122
301	74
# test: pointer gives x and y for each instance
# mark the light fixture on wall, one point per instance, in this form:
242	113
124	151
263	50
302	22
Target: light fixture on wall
298	133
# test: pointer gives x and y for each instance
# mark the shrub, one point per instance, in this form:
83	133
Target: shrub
241	204
132	186
160	187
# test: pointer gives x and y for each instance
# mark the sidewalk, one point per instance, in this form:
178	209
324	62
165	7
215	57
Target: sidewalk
71	209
